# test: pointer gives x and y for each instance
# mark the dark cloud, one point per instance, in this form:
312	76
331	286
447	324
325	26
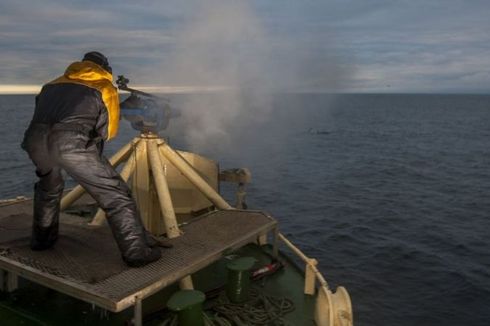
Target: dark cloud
407	45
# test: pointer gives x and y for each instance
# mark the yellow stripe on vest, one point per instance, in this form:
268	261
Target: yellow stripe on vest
92	75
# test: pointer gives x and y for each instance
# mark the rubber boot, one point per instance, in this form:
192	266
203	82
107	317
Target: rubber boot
45	217
130	236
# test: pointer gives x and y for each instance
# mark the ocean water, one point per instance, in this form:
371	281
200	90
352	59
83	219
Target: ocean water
391	193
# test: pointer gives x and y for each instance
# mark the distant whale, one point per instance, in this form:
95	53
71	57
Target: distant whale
314	131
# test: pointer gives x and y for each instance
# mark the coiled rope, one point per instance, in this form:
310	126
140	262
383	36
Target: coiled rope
259	310
172	320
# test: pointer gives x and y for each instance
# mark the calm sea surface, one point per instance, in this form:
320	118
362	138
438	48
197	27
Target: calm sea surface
391	193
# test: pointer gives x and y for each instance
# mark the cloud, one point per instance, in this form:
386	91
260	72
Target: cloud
364	43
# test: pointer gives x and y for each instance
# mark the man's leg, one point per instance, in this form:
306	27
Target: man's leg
47	197
47	191
95	174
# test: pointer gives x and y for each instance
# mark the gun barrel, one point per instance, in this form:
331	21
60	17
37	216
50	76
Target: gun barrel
122	84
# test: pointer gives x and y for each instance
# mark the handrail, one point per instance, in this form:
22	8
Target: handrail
331	309
310	261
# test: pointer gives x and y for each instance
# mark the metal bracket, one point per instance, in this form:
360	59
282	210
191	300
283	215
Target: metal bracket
9	281
138	311
275	242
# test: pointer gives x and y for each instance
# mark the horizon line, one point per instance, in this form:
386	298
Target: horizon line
19	89
25	89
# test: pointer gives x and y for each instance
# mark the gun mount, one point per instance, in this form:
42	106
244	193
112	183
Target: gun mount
146	112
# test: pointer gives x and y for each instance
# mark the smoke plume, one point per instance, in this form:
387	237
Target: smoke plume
227	47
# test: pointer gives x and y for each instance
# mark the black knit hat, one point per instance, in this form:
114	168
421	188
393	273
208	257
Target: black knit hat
98	58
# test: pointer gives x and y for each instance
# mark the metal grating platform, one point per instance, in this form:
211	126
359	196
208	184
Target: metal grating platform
86	263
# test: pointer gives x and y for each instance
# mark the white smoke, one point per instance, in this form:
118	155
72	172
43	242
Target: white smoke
223	44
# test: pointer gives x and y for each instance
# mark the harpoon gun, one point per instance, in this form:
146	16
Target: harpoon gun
146	112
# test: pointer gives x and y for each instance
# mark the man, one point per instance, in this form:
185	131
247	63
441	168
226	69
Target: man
74	114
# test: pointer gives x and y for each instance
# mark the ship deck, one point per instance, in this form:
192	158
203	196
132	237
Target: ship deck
86	264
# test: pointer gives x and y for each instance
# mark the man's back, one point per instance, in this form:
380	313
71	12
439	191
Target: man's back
71	103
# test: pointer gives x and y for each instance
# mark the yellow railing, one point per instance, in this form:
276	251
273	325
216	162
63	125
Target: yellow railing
331	308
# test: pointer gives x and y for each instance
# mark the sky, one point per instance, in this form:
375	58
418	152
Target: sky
367	46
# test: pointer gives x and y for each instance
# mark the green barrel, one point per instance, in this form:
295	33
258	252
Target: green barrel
238	284
188	306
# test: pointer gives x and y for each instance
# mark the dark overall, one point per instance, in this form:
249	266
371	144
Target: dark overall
66	133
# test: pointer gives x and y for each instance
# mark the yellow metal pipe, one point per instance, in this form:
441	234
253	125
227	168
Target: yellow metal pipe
186	283
311	262
78	191
140	185
126	172
71	197
188	171
294	248
123	153
163	192
129	167
98	218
